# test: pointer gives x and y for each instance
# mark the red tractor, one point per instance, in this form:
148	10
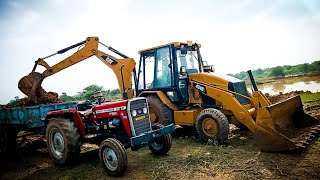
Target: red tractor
115	126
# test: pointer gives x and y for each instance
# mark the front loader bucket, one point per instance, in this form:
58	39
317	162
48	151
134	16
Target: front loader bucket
284	126
30	85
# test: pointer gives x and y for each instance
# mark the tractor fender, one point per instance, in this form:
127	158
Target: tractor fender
161	96
71	114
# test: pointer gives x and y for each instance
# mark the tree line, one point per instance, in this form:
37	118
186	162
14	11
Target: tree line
281	71
84	94
87	92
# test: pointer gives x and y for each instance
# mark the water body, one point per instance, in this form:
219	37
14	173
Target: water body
311	84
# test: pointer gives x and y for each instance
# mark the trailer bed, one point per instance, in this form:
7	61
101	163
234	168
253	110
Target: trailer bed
32	116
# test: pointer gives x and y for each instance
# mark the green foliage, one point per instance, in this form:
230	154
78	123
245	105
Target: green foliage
65	98
14	101
277	72
88	91
281	71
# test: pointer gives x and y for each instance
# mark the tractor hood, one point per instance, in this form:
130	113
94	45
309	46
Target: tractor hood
110	107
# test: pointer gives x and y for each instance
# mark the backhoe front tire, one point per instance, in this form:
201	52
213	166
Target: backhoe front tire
63	140
212	125
113	157
160	145
159	112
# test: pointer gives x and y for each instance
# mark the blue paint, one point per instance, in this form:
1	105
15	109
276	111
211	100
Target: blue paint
33	116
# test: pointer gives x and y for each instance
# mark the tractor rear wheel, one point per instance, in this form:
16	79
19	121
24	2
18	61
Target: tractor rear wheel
212	125
160	145
113	157
8	140
159	112
63	140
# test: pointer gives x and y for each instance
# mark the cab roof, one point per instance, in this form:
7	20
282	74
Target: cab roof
176	44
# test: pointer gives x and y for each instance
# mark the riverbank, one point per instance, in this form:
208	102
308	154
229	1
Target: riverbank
272	79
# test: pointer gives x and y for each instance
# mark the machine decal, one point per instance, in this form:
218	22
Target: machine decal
111	109
200	88
110	61
140	118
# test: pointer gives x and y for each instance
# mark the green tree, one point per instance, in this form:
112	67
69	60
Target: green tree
65	98
89	90
304	68
315	66
277	72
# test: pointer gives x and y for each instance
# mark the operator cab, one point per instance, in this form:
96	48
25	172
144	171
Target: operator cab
166	68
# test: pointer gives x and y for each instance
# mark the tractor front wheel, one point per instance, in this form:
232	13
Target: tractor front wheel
160	145
212	125
113	157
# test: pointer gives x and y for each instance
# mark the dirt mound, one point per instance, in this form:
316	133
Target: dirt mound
46	98
280	97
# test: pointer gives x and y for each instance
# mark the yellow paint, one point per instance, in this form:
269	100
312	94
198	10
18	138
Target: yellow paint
209	127
122	68
176	44
186	117
140	118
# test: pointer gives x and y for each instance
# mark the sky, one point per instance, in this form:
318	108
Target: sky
235	35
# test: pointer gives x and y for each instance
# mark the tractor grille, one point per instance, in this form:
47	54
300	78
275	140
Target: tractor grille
141	123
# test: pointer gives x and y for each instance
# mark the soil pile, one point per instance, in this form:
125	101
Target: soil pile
311	109
281	97
46	98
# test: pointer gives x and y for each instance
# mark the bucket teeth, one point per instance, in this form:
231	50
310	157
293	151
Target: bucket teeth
306	137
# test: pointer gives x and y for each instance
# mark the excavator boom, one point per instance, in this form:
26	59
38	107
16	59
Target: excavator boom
30	85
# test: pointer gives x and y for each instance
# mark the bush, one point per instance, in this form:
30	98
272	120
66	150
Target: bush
277	72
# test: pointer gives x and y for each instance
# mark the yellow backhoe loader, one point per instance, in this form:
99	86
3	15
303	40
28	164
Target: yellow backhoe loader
181	88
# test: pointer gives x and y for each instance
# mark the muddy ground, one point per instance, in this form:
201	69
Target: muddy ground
239	158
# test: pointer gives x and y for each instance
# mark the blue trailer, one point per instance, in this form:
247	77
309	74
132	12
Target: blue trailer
32	118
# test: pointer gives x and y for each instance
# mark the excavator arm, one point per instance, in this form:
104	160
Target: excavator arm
123	68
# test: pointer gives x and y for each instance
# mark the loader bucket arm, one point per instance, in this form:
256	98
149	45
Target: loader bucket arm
278	127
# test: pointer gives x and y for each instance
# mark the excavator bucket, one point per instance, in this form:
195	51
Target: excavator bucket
30	85
284	126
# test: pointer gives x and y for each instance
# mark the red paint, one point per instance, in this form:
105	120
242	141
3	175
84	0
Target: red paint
105	110
122	113
75	118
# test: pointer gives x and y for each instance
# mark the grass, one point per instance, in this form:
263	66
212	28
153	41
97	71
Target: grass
310	99
188	159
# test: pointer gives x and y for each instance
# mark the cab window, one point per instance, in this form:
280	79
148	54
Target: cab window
163	68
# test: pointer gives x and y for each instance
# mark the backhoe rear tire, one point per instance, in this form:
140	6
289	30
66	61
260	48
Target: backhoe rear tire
63	140
159	112
113	157
212	125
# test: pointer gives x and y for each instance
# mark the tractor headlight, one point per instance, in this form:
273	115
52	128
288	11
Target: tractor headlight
144	110
134	113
